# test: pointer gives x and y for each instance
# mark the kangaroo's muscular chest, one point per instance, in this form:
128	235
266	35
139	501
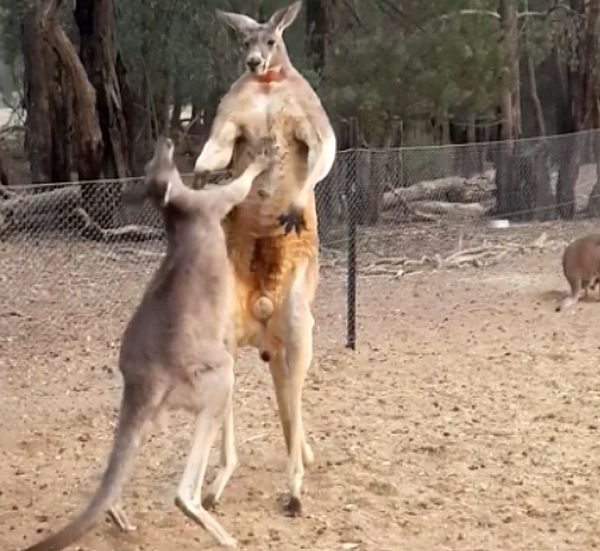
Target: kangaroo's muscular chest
269	112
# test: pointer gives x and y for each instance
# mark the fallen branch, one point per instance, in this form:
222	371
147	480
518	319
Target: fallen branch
91	230
484	255
452	189
459	210
12	129
407	211
50	209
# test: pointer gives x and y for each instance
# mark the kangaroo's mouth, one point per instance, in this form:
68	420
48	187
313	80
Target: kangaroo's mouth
257	67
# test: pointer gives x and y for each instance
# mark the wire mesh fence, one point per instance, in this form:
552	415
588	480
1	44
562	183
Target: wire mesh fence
382	213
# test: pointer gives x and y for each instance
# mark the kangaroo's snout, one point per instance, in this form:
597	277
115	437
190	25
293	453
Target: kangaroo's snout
254	62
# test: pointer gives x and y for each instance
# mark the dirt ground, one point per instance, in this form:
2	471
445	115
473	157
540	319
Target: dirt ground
468	418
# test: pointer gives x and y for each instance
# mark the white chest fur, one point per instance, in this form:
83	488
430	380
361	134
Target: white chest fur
261	106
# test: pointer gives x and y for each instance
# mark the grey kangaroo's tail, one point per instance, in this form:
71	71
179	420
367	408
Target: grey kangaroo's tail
126	444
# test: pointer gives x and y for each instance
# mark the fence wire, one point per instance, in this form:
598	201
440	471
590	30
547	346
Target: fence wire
382	213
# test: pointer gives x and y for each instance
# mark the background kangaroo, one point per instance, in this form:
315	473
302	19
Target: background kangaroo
172	352
272	236
581	266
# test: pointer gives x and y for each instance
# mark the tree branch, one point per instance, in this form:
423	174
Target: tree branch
390	8
489	13
353	12
496	15
545	13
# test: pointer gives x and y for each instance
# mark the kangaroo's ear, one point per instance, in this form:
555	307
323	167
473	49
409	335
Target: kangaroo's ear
284	17
238	21
160	174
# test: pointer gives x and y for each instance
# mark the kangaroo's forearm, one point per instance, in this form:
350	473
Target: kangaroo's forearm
218	150
228	196
237	190
185	199
320	162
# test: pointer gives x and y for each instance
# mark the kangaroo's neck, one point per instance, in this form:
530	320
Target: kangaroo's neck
279	69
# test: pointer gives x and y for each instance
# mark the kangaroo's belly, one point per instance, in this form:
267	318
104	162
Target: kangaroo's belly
264	268
273	191
263	259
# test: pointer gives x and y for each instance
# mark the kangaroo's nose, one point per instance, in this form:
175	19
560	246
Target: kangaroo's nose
253	63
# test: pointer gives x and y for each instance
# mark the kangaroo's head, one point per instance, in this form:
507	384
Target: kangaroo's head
162	178
265	49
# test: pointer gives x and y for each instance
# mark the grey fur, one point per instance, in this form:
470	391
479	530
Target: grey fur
173	353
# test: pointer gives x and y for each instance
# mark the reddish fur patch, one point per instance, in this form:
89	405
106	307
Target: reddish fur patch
272	75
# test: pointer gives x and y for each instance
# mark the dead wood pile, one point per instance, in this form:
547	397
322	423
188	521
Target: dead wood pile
453	196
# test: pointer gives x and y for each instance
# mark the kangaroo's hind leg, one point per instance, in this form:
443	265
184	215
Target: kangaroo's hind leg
228	458
573	297
116	514
215	384
227	462
298	354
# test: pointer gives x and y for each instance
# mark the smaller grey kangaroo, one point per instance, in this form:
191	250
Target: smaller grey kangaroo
173	352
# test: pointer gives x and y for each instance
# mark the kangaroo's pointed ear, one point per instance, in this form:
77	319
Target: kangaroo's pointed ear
164	150
238	21
284	17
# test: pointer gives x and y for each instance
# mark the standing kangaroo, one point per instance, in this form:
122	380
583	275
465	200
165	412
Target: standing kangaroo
173	352
272	236
581	267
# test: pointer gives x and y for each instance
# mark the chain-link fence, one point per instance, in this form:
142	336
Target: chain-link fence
400	212
382	213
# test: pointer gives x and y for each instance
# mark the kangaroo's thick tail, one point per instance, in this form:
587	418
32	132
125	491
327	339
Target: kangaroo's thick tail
126	444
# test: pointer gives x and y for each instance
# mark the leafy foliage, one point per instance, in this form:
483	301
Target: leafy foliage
386	60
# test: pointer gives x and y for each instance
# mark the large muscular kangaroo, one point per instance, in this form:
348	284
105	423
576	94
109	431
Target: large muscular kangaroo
272	236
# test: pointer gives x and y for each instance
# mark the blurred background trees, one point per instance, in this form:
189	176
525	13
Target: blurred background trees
93	82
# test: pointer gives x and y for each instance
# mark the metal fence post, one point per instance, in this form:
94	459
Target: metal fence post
351	198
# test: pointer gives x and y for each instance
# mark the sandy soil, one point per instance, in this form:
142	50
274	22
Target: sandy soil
468	419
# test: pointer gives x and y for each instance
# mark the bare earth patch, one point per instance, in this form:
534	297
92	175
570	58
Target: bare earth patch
467	420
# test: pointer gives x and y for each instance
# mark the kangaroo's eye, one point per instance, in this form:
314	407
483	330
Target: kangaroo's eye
270	42
246	43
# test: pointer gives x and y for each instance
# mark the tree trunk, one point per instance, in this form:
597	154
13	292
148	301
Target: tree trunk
62	121
320	16
94	20
582	86
594	14
368	189
316	32
506	183
542	197
593	206
567	178
89	143
4	181
540	122
175	122
134	114
466	161
37	62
